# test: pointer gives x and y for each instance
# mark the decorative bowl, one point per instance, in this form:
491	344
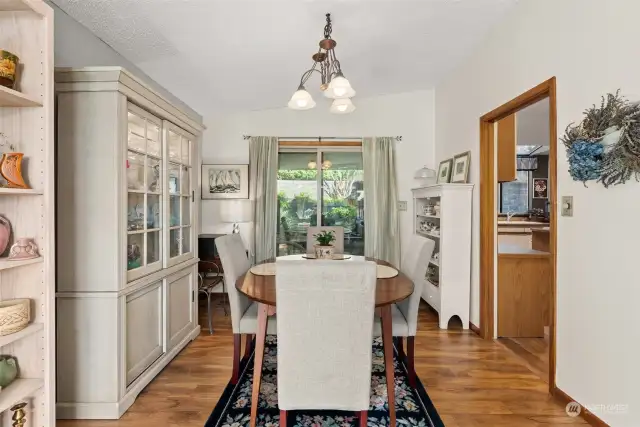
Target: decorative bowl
14	315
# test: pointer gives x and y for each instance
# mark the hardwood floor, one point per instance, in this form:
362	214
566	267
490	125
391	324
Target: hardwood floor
472	382
534	352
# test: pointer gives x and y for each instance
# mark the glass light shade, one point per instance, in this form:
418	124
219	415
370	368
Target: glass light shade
342	106
326	164
301	100
311	165
339	88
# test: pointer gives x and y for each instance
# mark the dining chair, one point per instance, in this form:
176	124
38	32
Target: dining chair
404	314
325	322
337	231
244	312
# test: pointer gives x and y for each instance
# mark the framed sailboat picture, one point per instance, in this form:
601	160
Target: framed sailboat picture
225	181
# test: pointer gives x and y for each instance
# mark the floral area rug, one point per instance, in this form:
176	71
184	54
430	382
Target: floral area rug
413	406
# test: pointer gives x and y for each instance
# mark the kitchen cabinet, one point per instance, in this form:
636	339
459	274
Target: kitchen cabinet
506	149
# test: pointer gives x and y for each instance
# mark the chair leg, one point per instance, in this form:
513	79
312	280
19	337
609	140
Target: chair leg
283	418
225	298
387	343
411	342
248	344
363	418
236	358
261	334
209	313
400	345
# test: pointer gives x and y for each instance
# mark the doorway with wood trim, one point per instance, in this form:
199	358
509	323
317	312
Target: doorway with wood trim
518	281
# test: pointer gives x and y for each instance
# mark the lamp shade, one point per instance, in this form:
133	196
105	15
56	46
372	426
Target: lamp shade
301	100
339	88
236	211
342	106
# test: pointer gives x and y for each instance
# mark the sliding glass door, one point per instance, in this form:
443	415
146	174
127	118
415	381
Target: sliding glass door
320	186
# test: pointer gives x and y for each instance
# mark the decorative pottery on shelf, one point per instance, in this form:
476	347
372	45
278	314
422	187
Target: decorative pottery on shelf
8	67
134	257
5	233
15	315
24	248
19	416
11	170
8	370
324	252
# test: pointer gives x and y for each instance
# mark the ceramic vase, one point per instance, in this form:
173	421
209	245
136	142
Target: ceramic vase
8	370
11	170
23	248
134	257
5	233
8	67
324	252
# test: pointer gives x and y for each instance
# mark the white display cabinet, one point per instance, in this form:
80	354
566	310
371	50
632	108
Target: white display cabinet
442	213
127	215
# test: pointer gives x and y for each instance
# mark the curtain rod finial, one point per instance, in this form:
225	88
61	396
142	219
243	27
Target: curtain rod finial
245	137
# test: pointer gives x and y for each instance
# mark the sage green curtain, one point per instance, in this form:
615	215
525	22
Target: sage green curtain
263	181
381	228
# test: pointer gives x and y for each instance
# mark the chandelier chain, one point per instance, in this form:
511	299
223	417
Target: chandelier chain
328	28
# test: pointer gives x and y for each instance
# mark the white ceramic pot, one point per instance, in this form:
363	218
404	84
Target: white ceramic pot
324	252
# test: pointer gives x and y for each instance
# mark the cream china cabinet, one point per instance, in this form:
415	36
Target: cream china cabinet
126	296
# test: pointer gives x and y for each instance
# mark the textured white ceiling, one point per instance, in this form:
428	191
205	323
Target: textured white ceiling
230	55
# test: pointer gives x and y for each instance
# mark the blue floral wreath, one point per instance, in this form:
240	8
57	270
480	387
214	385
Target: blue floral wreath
605	146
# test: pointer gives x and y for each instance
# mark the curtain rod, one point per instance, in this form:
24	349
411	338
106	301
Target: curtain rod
321	138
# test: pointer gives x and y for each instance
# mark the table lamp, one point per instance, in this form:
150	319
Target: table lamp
235	212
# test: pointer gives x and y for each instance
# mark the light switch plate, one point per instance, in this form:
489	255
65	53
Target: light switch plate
402	206
567	205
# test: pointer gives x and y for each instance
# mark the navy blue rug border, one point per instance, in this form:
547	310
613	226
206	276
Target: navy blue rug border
225	398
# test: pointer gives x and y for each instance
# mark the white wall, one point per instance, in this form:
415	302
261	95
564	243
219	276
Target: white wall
77	46
591	46
410	115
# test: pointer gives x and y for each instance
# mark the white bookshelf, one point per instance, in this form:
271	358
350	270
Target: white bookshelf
26	118
447	285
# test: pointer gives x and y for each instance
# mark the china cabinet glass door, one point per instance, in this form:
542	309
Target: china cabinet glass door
144	169
180	213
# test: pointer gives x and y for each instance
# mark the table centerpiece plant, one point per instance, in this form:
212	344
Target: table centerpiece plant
324	247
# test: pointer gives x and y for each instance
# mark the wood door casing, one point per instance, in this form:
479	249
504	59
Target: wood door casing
523	295
507	142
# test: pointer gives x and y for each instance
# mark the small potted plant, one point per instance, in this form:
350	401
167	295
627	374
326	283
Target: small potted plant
324	248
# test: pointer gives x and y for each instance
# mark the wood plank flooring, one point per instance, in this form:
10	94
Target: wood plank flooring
472	382
534	352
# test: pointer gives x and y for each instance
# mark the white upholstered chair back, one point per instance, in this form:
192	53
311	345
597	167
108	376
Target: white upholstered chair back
414	265
325	321
337	231
234	264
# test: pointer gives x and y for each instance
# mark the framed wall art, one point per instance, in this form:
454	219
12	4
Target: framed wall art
225	182
540	188
444	171
460	168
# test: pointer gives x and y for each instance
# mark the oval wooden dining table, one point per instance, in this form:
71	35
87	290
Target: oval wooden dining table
262	289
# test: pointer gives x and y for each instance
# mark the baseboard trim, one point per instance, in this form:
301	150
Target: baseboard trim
585	414
115	410
474	328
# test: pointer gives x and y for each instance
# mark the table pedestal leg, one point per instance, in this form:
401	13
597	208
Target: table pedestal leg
387	341
261	333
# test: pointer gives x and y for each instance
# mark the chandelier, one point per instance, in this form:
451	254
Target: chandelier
334	84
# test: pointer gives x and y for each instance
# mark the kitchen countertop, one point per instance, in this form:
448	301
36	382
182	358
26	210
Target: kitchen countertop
521	223
515	250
